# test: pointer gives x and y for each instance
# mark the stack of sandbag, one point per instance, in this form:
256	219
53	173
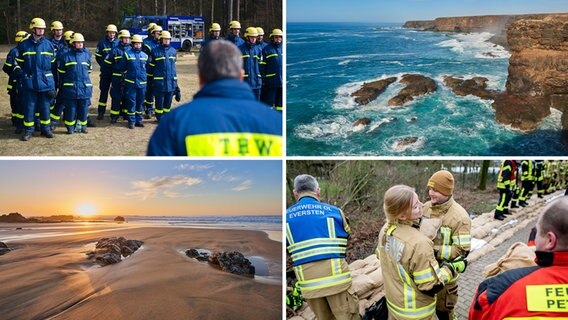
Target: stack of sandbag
367	281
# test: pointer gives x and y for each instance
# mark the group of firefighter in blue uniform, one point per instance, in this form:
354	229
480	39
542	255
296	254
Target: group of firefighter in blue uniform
49	79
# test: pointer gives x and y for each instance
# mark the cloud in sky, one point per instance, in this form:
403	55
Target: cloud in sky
151	188
194	167
223	176
245	185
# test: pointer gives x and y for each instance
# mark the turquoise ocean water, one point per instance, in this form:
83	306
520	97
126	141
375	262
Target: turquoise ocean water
326	62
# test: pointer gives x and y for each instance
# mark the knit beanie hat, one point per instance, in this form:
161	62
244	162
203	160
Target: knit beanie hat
443	182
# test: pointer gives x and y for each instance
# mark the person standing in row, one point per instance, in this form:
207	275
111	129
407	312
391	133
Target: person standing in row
104	48
272	71
14	72
251	61
214	34
118	66
527	181
453	236
36	58
76	88
150	43
505	182
162	65
135	81
234	33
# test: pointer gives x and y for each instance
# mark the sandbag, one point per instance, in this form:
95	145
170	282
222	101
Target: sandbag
519	255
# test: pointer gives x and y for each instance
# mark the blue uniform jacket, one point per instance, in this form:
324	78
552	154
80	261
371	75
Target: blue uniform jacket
13	70
135	74
74	69
208	40
238	41
116	60
224	119
251	64
37	60
104	48
149	44
58	44
162	66
272	66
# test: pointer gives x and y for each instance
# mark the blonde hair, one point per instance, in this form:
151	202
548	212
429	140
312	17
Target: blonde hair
397	200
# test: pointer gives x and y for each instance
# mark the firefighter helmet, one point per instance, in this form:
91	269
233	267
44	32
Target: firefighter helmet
276	32
37	23
260	31
136	38
56	25
77	37
21	35
215	27
111	28
124	34
68	35
150	27
157	29
251	32
234	25
165	35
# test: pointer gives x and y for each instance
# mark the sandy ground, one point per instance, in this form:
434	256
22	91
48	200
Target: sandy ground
48	276
105	139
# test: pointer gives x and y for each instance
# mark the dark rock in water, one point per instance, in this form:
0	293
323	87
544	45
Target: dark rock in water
111	250
371	90
522	112
119	219
3	245
412	119
4	248
362	121
18	228
416	85
233	262
194	253
407	141
476	86
13	217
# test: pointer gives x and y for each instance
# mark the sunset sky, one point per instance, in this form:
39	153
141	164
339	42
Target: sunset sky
140	187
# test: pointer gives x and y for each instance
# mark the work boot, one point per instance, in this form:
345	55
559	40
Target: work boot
139	124
131	126
499	217
112	120
101	116
523	204
514	206
91	123
506	212
84	130
540	196
70	130
27	136
48	134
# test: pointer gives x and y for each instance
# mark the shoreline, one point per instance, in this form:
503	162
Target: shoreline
48	275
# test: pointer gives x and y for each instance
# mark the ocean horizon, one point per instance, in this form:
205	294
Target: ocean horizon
326	62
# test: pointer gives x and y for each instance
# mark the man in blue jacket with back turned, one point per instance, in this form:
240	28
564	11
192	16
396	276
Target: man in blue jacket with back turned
224	118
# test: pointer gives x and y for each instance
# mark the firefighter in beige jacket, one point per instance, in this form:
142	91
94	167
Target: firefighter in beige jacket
412	276
451	234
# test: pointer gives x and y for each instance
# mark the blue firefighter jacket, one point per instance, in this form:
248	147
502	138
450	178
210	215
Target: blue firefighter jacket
149	44
224	119
37	61
13	70
58	44
115	59
74	68
209	40
272	65
251	64
104	48
315	231
162	66
135	74
238	41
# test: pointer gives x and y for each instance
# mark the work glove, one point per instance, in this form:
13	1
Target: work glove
51	94
177	94
458	265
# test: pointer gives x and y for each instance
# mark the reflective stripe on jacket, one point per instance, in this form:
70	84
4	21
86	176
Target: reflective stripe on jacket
453	238
411	273
162	66
37	60
272	66
504	179
135	74
251	64
104	48
12	69
115	60
74	68
527	170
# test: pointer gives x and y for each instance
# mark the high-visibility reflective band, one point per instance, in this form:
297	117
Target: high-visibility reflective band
316	242
70	63
152	64
414	313
262	62
462	239
272	55
48	121
409	297
279	108
19	116
54	117
70	123
446	249
318	251
166	110
114	112
260	76
149	75
299	270
117	57
29	124
130	113
335	266
330	228
47	53
172	58
20	60
246	75
289	234
246	56
159	78
28	52
325	282
107	62
547	298
10	87
143	82
256	57
423	276
83	123
129	81
85	63
233	144
68	84
107	49
61	71
8	64
138	112
160	58
117	74
443	275
88	84
270	75
98	54
175	78
159	111
390	230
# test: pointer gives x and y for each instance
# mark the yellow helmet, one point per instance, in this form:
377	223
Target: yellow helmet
234	25
136	38
21	35
77	37
37	23
276	32
124	34
215	27
68	35
56	25
111	28
251	32
165	35
157	28
151	26
260	31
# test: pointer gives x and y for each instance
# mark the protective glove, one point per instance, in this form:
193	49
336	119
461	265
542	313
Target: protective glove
458	265
177	94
